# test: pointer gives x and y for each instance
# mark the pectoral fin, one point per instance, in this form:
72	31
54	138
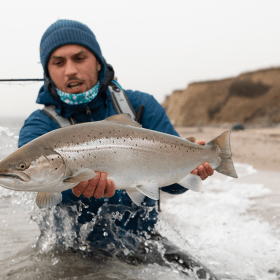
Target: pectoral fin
79	177
48	199
192	182
136	196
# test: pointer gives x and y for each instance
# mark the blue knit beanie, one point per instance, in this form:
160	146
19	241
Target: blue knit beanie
65	32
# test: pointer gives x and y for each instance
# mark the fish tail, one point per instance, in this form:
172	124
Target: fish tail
226	166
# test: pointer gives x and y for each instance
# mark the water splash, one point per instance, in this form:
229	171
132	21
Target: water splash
6	226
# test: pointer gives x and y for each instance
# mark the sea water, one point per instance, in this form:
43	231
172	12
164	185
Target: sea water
233	228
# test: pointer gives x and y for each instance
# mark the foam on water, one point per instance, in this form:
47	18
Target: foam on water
218	227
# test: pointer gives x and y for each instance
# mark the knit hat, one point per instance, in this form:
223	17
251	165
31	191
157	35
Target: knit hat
65	32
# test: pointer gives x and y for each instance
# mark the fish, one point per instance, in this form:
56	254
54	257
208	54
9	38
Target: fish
138	160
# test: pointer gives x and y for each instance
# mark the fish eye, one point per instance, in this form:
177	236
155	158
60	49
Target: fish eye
22	166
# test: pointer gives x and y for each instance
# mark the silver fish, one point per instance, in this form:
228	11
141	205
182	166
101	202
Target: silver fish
138	160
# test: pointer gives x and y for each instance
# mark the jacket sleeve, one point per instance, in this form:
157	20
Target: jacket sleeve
37	124
155	118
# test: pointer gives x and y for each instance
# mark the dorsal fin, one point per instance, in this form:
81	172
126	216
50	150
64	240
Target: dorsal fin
124	119
192	139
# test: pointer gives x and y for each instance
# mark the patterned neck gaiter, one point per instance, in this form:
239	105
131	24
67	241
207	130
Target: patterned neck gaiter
79	98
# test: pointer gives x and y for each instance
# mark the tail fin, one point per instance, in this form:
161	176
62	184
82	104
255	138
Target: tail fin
226	167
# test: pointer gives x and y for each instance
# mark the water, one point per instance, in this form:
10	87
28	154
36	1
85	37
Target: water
233	228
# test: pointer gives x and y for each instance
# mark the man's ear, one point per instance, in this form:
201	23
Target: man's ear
98	66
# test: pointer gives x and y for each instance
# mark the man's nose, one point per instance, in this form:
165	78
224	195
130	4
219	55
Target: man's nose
70	68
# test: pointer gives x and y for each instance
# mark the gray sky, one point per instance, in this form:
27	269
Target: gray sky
154	46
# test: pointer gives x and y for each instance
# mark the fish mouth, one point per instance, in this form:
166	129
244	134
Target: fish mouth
21	176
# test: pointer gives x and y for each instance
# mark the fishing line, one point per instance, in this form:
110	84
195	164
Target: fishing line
16	81
6	228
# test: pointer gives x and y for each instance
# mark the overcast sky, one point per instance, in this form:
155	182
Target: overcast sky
154	46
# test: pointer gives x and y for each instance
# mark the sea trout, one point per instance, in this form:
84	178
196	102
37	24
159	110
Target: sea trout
138	160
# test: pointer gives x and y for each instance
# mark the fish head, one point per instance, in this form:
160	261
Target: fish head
31	169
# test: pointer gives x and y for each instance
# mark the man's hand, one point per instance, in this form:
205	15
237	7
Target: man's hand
98	187
204	170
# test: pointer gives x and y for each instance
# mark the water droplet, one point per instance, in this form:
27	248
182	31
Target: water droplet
54	261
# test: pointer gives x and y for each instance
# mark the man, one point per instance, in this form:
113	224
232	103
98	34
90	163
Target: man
76	79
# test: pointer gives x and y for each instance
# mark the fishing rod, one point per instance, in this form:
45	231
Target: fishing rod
21	80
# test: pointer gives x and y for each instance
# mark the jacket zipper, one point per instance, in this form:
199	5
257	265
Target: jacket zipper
88	112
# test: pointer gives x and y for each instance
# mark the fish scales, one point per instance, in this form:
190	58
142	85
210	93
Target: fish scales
118	156
136	159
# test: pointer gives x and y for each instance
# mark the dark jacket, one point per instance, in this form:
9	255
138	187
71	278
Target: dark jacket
133	218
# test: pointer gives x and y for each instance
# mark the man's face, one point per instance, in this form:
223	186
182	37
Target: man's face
73	69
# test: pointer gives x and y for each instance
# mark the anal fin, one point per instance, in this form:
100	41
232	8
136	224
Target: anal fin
192	182
150	189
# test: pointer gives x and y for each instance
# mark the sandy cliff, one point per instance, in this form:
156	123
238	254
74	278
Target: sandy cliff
252	97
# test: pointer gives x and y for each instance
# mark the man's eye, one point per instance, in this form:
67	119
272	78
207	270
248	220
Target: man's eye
80	58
